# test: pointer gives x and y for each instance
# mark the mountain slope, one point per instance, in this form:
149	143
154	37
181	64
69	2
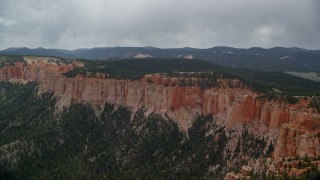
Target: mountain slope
274	59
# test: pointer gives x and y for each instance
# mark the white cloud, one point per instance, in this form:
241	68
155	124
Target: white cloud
266	34
6	22
163	23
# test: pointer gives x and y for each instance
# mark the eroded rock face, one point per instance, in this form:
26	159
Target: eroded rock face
36	69
299	139
296	127
232	104
231	176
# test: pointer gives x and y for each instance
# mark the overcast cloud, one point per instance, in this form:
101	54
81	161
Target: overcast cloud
75	24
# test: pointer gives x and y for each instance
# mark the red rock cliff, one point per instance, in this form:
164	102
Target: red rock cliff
297	125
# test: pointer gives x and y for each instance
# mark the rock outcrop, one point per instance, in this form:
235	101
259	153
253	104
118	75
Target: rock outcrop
299	139
243	175
295	128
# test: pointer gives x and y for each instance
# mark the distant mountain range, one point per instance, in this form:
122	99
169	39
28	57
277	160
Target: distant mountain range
256	58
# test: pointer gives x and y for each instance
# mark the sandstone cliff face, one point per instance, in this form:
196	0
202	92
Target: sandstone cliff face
36	69
299	139
295	127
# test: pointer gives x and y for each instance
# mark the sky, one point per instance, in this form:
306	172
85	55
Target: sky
72	24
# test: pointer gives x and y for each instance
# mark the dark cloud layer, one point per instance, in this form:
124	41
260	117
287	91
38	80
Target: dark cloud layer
163	23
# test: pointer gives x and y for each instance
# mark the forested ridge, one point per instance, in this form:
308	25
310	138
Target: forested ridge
261	81
39	142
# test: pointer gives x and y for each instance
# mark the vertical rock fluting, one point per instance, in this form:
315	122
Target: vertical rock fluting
298	125
299	139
